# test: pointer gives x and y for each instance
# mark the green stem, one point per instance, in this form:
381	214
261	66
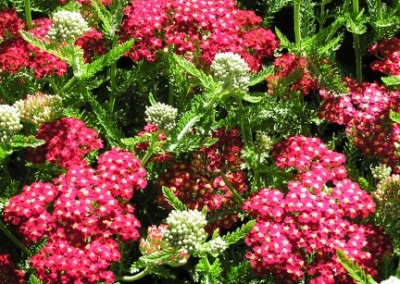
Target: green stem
235	194
356	40
296	15
243	123
11	236
67	85
321	16
113	77
54	85
257	172
135	277
150	151
28	14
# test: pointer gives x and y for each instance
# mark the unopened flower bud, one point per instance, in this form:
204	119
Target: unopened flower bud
67	26
381	171
161	115
231	71
9	123
264	143
186	229
217	246
39	108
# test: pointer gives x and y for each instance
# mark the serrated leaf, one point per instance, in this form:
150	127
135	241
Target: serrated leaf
185	124
391	80
172	199
395	116
106	60
240	233
34	280
357	25
284	42
152	100
260	76
48	47
21	141
355	271
252	99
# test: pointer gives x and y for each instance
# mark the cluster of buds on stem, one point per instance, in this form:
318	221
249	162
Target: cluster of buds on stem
231	71
9	123
381	171
67	26
39	108
162	115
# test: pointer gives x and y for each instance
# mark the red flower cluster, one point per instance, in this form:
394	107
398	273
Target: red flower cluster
297	233
8	272
365	112
286	65
198	183
389	49
92	43
10	24
68	140
212	26
81	212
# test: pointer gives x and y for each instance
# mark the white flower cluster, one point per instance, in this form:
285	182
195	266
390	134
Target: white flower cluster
391	280
9	123
217	246
381	171
161	115
231	71
67	26
186	229
40	108
264	143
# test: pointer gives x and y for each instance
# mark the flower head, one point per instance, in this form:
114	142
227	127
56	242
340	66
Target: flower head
67	26
9	123
161	115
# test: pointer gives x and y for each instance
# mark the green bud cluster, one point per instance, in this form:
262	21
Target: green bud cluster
217	246
40	108
161	115
67	26
231	71
264	143
9	123
186	229
381	171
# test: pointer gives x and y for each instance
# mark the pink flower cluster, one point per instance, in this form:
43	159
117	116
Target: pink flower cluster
365	113
210	26
16	53
9	274
68	140
389	50
297	233
285	65
81	212
198	183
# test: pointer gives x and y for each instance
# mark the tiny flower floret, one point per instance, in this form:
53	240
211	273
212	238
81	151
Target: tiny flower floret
186	229
67	26
161	115
231	71
9	123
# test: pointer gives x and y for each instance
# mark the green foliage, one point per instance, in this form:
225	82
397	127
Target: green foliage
240	233
172	199
354	270
34	280
391	80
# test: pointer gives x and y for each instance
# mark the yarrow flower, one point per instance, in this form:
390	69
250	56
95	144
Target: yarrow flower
39	108
315	217
8	271
10	24
381	172
217	246
161	115
231	71
68	140
9	123
198	183
67	26
81	213
185	229
365	112
209	27
155	243
389	50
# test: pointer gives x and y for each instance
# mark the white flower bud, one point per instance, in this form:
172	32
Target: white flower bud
231	71
217	246
161	115
67	26
9	123
381	171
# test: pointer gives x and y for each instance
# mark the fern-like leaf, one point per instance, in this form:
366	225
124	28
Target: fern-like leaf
354	270
172	199
240	233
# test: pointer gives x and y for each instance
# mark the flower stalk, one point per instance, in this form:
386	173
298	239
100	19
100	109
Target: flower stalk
12	238
136	277
356	42
28	13
297	30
